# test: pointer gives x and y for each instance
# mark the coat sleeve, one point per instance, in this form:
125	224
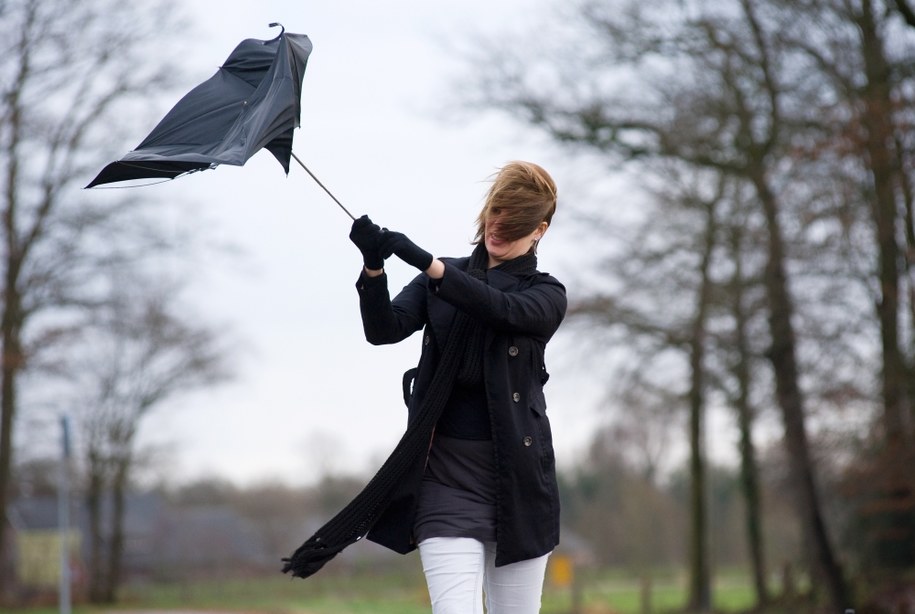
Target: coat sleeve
385	321
536	309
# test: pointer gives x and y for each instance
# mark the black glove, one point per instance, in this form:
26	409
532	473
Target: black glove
367	235
405	249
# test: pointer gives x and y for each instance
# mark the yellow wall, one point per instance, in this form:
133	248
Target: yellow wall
38	563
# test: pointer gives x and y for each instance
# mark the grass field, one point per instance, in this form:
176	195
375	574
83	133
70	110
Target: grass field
399	591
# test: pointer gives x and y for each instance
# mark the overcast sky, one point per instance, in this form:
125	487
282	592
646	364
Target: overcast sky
311	394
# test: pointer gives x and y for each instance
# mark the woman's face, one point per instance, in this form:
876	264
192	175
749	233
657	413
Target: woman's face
502	250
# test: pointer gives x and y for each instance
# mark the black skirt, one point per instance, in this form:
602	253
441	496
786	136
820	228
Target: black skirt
458	493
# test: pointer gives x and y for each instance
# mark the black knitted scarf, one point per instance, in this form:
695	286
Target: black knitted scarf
354	521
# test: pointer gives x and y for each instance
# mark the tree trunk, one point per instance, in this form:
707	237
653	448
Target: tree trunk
910	281
11	322
893	509
11	359
116	544
877	122
749	475
906	189
700	593
783	356
95	496
11	364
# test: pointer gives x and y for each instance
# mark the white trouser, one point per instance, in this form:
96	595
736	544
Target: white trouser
459	569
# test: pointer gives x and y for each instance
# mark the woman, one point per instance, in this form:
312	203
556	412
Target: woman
483	507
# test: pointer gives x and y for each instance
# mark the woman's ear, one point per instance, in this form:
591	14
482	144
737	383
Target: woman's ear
541	230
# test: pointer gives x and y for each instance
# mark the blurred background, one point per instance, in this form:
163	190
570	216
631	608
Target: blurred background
186	393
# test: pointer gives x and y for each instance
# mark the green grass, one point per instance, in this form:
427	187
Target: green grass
402	591
388	592
621	593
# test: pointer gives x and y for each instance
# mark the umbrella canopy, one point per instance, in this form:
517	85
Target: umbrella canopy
252	102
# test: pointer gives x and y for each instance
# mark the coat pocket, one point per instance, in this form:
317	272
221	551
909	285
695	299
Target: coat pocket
541	426
538	401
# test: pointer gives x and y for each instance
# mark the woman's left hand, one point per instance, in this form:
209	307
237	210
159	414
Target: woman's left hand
398	244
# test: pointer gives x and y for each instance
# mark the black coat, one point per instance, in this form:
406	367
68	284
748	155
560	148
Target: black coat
520	314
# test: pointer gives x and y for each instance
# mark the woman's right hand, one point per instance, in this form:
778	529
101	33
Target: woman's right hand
366	235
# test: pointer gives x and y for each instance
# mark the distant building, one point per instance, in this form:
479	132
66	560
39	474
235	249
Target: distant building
161	541
37	544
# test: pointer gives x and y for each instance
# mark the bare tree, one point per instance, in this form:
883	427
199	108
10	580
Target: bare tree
68	67
706	85
877	126
668	257
864	63
740	398
700	587
138	354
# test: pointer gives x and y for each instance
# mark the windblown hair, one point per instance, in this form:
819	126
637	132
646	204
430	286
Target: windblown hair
523	195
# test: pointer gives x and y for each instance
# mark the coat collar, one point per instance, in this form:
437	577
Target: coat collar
495	277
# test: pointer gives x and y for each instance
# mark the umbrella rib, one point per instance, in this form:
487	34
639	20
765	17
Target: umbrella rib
318	181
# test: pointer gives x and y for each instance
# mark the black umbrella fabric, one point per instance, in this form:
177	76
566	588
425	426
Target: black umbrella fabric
252	102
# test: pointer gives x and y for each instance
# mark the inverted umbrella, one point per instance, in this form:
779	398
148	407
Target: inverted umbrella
253	102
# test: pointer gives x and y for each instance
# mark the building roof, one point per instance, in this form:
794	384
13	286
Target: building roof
33	514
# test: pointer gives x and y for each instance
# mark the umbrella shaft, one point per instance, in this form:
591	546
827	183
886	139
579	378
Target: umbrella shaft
318	181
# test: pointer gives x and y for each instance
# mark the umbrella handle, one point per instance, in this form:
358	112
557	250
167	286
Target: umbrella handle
318	181
282	29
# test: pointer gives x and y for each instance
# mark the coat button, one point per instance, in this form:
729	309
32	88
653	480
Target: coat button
527	441
513	350
516	397
426	340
